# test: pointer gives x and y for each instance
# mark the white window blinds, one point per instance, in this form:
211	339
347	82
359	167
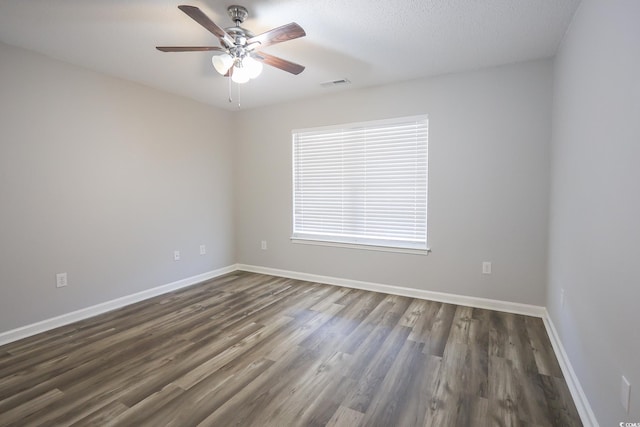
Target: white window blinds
362	183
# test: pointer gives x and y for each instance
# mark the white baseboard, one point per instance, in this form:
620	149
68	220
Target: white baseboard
490	304
579	398
84	313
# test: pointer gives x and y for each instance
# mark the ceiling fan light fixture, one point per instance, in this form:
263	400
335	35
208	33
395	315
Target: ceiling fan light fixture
240	74
253	67
222	63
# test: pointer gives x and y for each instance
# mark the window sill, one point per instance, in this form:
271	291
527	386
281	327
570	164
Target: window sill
298	240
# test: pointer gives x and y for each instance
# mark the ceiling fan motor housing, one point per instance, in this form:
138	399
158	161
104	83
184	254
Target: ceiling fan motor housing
237	13
240	35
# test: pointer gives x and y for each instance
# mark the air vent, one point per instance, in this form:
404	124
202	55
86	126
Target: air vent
339	82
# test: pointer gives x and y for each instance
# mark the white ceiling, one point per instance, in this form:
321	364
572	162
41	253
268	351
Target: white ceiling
369	42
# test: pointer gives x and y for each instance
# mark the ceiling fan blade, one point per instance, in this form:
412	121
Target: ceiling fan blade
197	15
277	62
188	48
277	35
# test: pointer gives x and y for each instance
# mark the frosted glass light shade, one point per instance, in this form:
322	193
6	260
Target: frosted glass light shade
222	63
253	67
240	75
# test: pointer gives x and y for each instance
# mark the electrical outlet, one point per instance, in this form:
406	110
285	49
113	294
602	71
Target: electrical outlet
263	245
625	393
176	255
486	267
203	249
61	280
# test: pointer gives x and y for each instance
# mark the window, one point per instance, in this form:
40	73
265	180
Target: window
362	184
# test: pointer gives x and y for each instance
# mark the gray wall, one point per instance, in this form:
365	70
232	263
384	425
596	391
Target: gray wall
595	203
489	134
103	179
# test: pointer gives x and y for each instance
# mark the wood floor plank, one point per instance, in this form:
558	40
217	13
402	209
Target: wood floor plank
319	410
248	349
102	416
336	331
421	331
413	313
185	361
112	376
439	330
197	403
535	409
562	411
473	411
245	407
294	338
503	393
144	410
353	296
543	354
454	383
345	417
371	379
519	351
390	398
291	405
194	376
17	414
420	390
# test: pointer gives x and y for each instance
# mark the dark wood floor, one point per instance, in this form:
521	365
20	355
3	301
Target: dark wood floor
254	350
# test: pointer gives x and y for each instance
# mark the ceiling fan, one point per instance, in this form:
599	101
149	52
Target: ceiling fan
240	58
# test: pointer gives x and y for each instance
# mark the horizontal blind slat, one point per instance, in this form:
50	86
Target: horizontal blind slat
362	183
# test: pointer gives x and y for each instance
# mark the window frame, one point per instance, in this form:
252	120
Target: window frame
387	245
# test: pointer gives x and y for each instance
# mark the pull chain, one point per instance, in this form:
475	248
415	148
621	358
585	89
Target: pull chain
230	92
